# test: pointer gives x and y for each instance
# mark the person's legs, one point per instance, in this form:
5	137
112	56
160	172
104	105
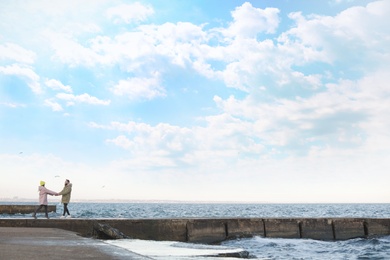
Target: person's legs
66	209
46	214
36	210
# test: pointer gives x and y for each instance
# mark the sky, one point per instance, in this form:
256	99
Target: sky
242	101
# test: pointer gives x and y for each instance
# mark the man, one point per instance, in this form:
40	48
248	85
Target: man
66	191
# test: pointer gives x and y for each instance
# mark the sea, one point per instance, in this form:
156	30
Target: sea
258	247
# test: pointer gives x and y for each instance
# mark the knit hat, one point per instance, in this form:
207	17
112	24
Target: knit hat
42	183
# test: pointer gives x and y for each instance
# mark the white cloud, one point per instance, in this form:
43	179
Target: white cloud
340	1
53	105
354	40
341	117
224	139
245	61
179	42
69	51
57	85
128	13
163	137
162	145
83	98
30	25
129	50
185	44
32	79
139	88
14	52
12	105
356	34
250	21
150	46
122	141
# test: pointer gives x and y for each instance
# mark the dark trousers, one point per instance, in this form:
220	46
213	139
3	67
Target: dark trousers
66	209
45	206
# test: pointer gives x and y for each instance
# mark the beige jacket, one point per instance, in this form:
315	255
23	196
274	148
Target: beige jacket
66	191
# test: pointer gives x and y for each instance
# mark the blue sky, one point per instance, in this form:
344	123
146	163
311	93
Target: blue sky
255	101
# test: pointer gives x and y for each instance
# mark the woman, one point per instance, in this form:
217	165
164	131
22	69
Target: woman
43	191
66	191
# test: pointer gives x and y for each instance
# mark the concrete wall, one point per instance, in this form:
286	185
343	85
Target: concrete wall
216	230
23	209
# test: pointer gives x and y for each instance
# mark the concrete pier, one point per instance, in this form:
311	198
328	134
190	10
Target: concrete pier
204	230
24	209
53	244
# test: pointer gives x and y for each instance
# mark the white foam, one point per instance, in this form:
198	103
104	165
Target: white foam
171	249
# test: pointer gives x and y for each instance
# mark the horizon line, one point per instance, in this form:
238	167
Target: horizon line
183	201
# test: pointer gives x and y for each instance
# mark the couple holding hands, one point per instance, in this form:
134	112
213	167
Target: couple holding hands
43	192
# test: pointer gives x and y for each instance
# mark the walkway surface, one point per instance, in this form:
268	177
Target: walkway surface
52	243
